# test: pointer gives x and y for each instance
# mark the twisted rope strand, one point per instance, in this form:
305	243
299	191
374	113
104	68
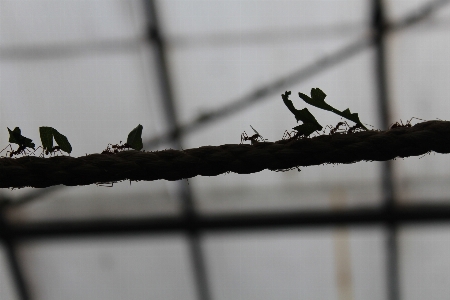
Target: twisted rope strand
214	160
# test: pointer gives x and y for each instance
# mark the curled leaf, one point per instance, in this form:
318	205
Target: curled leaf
135	138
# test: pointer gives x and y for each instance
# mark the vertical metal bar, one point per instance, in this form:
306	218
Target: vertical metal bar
387	178
14	266
184	192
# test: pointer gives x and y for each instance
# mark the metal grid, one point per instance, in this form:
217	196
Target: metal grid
194	225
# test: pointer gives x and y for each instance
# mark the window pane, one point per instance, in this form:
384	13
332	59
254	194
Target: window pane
310	264
128	268
425	263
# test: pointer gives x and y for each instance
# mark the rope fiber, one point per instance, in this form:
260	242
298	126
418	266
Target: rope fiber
172	164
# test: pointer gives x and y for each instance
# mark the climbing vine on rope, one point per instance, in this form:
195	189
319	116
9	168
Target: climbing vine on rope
22	168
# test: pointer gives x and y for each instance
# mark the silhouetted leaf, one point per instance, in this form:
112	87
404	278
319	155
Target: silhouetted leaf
317	99
62	141
15	136
46	134
310	123
135	138
306	129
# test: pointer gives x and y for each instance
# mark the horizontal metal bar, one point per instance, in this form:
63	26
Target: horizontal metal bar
423	214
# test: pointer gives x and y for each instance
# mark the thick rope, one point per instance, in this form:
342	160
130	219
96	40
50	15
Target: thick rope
214	160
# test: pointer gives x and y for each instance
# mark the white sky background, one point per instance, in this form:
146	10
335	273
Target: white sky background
218	51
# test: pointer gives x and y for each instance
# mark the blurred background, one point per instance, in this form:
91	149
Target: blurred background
197	73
